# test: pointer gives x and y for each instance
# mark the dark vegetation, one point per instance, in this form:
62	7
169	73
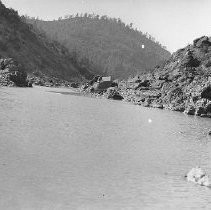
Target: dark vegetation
103	45
12	74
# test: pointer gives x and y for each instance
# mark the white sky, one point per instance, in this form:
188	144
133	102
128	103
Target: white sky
174	23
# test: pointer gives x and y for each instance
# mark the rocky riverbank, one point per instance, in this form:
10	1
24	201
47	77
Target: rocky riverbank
40	79
12	74
104	89
183	83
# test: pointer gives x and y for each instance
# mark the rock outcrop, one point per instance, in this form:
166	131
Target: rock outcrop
112	93
107	89
12	74
198	176
183	83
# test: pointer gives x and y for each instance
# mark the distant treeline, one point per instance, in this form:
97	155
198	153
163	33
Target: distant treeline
104	45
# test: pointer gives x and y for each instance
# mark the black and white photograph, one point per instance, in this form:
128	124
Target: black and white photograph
105	104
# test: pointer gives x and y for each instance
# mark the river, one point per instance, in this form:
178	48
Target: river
61	151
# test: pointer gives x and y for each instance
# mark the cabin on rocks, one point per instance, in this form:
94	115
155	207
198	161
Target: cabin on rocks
100	84
106	79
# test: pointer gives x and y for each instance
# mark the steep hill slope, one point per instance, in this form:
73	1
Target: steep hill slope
33	51
107	46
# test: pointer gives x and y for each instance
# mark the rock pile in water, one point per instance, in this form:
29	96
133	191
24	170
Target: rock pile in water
198	176
12	74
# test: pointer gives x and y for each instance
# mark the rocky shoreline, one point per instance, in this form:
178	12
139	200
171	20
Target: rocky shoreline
40	79
12	74
183	83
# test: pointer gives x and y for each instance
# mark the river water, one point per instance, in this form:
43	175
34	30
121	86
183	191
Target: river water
61	151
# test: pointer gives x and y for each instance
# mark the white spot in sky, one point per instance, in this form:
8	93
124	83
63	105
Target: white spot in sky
149	120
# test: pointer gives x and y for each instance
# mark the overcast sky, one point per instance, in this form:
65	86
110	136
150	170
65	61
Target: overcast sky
174	23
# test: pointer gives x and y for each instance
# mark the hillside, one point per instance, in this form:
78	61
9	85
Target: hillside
106	46
33	50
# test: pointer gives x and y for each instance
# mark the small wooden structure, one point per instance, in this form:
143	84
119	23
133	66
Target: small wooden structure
106	79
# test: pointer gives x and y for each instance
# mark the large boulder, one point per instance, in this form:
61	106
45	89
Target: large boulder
198	176
202	42
112	93
190	110
144	83
188	60
102	86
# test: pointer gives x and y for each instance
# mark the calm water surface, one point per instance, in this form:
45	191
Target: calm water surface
67	152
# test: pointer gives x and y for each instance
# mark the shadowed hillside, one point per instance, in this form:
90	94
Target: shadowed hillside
104	45
33	50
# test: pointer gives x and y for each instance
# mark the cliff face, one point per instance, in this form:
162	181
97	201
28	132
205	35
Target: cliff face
33	50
